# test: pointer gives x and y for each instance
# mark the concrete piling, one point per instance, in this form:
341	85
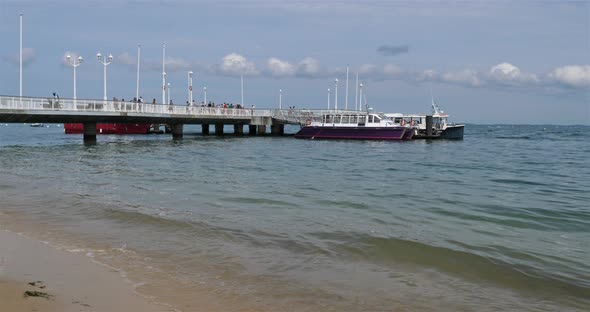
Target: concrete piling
218	128
205	129
89	132
251	129
239	129
278	129
177	131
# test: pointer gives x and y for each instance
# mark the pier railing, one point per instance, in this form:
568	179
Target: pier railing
102	106
36	105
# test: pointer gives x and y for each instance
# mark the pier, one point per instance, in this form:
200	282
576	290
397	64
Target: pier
14	109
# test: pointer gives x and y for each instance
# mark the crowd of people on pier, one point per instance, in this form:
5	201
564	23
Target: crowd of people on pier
136	104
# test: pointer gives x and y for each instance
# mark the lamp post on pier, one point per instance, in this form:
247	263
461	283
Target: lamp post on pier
75	63
205	95
280	99
105	63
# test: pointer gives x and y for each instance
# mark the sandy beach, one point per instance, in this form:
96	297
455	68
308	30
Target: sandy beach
37	277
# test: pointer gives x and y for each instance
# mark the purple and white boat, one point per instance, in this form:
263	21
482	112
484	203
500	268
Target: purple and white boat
353	125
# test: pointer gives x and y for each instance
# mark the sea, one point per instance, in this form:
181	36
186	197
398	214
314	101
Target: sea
498	221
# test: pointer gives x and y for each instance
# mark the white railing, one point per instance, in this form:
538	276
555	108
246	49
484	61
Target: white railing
101	106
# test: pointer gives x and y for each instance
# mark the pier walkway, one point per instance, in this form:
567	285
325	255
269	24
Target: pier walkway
14	109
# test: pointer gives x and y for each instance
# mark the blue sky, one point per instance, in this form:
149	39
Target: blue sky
486	62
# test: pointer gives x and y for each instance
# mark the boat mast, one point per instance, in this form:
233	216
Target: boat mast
346	98
356	91
335	94
163	73
361	96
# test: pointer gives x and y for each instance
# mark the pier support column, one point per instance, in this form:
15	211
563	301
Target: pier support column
262	130
277	129
205	129
90	132
251	129
218	128
428	125
177	130
239	129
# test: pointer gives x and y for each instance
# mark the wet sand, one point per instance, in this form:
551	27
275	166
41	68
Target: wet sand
58	280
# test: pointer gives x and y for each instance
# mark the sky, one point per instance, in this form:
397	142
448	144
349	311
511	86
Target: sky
519	62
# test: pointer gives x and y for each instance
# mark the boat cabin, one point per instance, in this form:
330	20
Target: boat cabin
352	119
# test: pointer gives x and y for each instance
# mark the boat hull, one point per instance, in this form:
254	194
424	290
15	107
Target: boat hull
453	132
358	133
109	128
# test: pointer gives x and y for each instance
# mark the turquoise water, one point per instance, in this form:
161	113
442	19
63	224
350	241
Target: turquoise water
499	220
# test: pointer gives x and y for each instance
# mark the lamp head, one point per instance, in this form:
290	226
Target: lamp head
98	56
68	57
80	59
110	57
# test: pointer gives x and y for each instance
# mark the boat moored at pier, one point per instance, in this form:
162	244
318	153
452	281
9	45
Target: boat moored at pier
433	126
353	125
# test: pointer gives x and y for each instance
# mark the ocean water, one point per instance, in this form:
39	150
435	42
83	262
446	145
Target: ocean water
497	221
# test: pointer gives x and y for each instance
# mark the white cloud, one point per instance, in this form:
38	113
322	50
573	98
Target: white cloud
126	59
467	77
280	68
28	57
508	73
177	64
392	70
235	64
367	69
308	67
572	75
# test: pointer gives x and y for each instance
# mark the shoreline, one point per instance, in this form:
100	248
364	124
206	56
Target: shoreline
58	280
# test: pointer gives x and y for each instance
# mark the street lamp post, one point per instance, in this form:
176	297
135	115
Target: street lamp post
328	98
190	87
105	63
280	99
205	95
75	63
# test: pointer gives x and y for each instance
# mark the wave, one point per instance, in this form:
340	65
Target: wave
469	265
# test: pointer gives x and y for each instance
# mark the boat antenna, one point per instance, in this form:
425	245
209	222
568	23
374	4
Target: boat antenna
365	98
435	108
